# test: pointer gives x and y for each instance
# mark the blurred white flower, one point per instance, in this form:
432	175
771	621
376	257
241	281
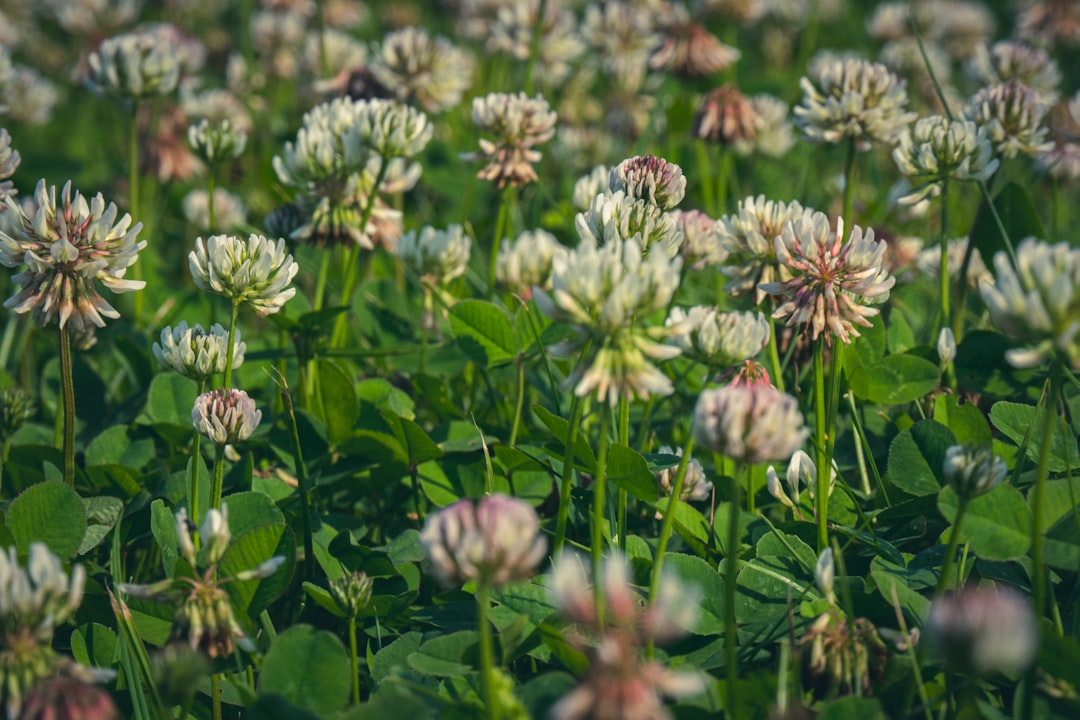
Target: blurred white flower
973	470
435	256
718	339
856	99
527	261
512	29
30	97
343	53
493	541
985	629
68	247
1038	301
229	210
696	486
419	68
749	237
686	46
225	416
257	271
773	134
1012	114
135	65
750	423
216	142
946	346
825	575
726	117
1010	60
9	163
216	105
622	36
197	353
937	149
88	18
928	262
518	124
589	186
701	245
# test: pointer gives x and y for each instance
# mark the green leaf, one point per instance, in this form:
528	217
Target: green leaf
170	399
1017	214
997	525
484	332
250	550
248	509
966	421
695	572
94	645
414	441
900	379
900	335
393	655
384	396
584	457
163	526
337	398
116	446
309	668
981	365
887	575
51	513
916	457
101	515
629	470
1017	420
852	707
444	656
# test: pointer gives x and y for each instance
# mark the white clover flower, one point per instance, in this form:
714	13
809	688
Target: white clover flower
606	293
802	470
256	271
928	262
494	541
750	423
973	470
647	177
1012	114
589	186
946	346
68	247
436	256
985	629
229	210
215	533
1062	161
687	47
834	282
719	339
773	134
225	416
216	105
216	142
616	216
749	237
853	99
512	29
527	261
37	599
696	486
343	52
326	150
87	18
937	149
701	245
519	123
726	117
135	65
419	68
391	129
278	35
825	575
9	162
622	36
1038	301
1010	60
197	353
30	97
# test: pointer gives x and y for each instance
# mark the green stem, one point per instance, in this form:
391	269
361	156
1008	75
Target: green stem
215	694
303	486
774	357
943	269
193	490
320	280
621	494
598	515
354	660
731	575
496	241
1039	491
229	348
133	190
849	185
487	653
722	180
835	364
576	406
349	282
950	551
821	495
519	404
219	477
705	173
211	216
666	526
427	314
68	392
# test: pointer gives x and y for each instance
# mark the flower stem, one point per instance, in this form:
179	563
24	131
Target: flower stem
943	270
211	216
774	357
219	477
496	241
519	403
349	281
133	190
950	551
705	173
229	349
1039	490
576	406
722	180
849	186
821	496
320	281
624	439
215	694
68	392
193	491
487	653
426	316
303	486
599	517
731	575
354	660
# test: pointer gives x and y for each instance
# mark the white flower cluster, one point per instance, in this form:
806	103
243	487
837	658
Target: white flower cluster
647	177
512	29
696	486
973	470
196	353
616	216
749	237
39	598
719	339
701	246
135	65
750	423
229	210
417	67
1012	114
256	271
436	256
589	186
1011	60
937	149
225	416
772	130
518	123
527	261
215	142
9	162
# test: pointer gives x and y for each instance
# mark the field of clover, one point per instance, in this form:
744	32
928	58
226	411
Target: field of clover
554	359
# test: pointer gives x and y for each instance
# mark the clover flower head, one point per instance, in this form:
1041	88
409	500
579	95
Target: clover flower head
687	47
773	134
493	542
511	31
68	247
801	471
256	271
1012	114
135	65
197	353
985	629
719	339
825	575
726	117
225	416
605	293
1038	301
16	407
30	96
278	36
1062	161
750	423
937	149
701	245
7	70
748	236
352	593
527	261
928	261
1010	60
622	36
518	123
844	654
216	105
589	186
327	149
1049	23
419	68
343	53
696	486
618	216
834	282
853	98
436	256
216	142
647	177
9	162
229	210
973	470
391	129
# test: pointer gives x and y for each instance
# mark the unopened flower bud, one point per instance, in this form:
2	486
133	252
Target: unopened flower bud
215	534
825	575
16	407
946	346
973	470
197	353
352	593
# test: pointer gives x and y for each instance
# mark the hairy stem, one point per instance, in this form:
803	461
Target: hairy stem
68	391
